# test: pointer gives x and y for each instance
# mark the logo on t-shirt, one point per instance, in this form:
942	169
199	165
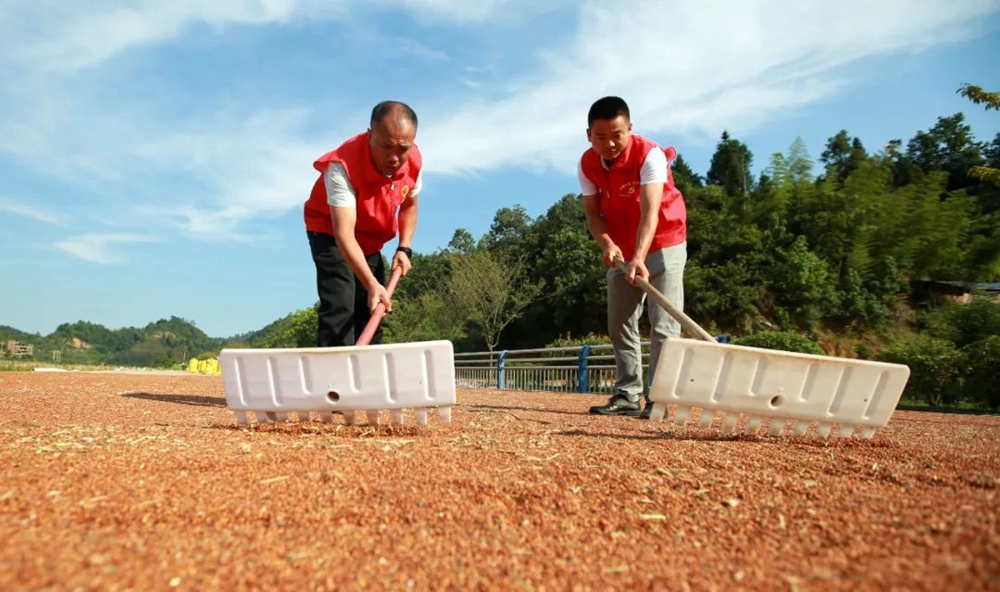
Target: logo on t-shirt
406	191
628	188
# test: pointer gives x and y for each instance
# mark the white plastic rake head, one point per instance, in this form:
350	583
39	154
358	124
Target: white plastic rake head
273	384
843	396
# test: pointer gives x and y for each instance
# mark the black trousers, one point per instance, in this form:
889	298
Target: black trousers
343	300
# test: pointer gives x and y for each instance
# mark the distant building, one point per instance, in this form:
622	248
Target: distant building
17	349
962	292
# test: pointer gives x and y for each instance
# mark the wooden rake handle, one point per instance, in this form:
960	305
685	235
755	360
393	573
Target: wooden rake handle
678	314
366	336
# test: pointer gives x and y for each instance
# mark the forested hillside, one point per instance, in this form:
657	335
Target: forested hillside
844	250
163	343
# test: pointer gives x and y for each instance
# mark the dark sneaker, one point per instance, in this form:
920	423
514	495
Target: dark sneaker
617	405
647	410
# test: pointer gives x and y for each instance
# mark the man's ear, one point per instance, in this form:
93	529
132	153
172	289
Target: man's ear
588	135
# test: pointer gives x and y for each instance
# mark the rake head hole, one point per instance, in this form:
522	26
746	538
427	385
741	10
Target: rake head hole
333	396
777	400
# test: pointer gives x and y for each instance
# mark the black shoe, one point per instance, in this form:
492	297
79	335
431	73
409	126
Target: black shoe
647	410
618	405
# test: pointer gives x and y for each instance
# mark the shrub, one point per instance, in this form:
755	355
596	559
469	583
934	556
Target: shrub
982	365
295	330
935	365
964	324
570	341
781	340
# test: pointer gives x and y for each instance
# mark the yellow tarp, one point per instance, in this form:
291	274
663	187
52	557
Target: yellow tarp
209	366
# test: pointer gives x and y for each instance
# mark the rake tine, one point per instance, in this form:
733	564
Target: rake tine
753	425
800	428
775	426
658	412
681	415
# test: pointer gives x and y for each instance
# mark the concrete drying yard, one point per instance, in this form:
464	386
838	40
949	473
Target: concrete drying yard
118	482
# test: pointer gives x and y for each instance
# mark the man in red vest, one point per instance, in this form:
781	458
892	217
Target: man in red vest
636	215
365	195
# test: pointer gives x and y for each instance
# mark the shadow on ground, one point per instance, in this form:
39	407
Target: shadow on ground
196	400
954	410
509	408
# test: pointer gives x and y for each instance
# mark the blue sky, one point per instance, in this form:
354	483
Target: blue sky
154	156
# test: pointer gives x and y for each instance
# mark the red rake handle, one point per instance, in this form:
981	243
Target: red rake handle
366	336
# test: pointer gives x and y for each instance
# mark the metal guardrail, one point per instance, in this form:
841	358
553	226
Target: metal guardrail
572	369
576	369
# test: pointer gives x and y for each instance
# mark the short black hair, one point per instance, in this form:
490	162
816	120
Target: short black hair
386	108
607	108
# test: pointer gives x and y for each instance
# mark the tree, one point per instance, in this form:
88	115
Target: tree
948	146
298	329
842	155
991	100
508	234
489	292
799	164
561	256
570	265
904	171
428	316
461	242
801	283
685	179
730	166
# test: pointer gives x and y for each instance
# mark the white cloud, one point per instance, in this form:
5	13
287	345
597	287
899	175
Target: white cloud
259	168
35	213
465	11
419	50
65	37
687	69
98	248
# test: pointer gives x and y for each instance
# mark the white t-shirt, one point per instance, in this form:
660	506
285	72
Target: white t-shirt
654	170
340	192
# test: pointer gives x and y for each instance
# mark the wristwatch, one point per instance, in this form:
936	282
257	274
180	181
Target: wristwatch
406	250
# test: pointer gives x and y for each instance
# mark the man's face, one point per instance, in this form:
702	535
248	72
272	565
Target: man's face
609	136
391	142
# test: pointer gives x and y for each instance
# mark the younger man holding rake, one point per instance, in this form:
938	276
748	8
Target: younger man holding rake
636	215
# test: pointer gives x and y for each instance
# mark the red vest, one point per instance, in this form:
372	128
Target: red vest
378	197
619	197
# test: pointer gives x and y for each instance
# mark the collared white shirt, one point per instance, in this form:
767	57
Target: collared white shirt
654	170
340	192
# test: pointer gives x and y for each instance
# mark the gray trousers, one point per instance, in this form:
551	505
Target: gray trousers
625	301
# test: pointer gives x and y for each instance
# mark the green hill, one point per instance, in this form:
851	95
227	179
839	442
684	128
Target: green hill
162	343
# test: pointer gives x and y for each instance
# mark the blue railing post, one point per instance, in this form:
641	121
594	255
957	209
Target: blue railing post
583	383
500	363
